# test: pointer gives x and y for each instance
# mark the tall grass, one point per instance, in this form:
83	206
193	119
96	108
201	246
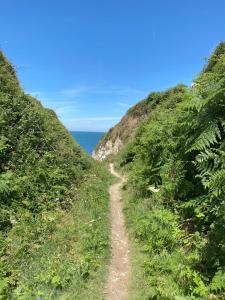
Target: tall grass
68	260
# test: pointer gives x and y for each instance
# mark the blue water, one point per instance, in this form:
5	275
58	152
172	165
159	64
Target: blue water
87	140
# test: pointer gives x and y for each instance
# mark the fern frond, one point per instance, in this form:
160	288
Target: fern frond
210	136
217	182
207	161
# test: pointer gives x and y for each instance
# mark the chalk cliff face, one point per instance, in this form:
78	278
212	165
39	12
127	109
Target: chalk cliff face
114	140
106	149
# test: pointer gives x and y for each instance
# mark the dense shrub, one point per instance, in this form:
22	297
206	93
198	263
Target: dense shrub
177	162
41	197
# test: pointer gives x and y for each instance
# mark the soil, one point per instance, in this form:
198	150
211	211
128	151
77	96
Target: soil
120	266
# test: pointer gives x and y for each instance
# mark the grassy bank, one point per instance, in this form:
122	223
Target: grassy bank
61	254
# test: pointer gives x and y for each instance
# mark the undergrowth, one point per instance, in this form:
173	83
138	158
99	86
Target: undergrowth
61	254
176	195
164	256
53	203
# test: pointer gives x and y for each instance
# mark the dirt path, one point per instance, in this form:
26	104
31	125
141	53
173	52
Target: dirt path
120	268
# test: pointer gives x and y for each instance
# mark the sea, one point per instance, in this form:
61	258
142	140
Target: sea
87	140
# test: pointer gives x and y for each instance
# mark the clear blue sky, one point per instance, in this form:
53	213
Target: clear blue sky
90	60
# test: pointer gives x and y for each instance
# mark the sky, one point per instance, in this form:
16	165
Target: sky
90	60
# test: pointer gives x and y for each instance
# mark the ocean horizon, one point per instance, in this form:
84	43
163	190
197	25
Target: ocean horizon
88	140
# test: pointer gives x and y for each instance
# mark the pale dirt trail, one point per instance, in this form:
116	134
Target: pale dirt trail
120	267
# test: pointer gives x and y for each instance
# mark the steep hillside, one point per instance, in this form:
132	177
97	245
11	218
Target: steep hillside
114	140
38	155
175	195
122	133
48	187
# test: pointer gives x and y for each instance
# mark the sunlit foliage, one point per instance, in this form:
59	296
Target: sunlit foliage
177	162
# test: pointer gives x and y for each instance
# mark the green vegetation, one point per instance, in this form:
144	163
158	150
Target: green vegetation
53	204
175	194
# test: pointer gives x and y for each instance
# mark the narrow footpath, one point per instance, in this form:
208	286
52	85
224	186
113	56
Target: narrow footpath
120	266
